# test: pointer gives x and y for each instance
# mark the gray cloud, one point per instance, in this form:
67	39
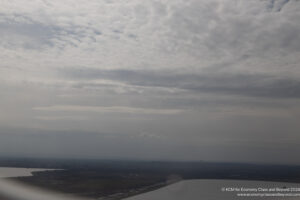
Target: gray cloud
277	5
186	78
27	35
259	85
23	31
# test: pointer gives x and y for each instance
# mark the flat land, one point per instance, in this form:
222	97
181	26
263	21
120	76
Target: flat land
119	179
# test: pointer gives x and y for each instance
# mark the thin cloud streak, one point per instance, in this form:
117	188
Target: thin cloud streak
257	85
112	109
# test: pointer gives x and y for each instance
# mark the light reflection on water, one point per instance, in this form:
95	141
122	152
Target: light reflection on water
212	190
6	172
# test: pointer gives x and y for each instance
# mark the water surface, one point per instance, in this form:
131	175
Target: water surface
213	190
6	172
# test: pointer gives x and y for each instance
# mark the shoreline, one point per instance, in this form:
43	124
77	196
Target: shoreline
72	182
14	172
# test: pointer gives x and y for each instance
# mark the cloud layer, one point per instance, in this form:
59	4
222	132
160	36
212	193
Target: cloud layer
182	72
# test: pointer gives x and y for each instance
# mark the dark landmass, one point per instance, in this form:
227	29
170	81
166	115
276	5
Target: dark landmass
118	179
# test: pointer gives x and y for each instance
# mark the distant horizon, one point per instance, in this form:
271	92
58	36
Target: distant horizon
143	160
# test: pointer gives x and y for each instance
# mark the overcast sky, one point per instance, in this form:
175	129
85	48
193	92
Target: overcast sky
154	79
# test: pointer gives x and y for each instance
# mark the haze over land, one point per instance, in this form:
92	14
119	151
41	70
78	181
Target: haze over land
171	79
